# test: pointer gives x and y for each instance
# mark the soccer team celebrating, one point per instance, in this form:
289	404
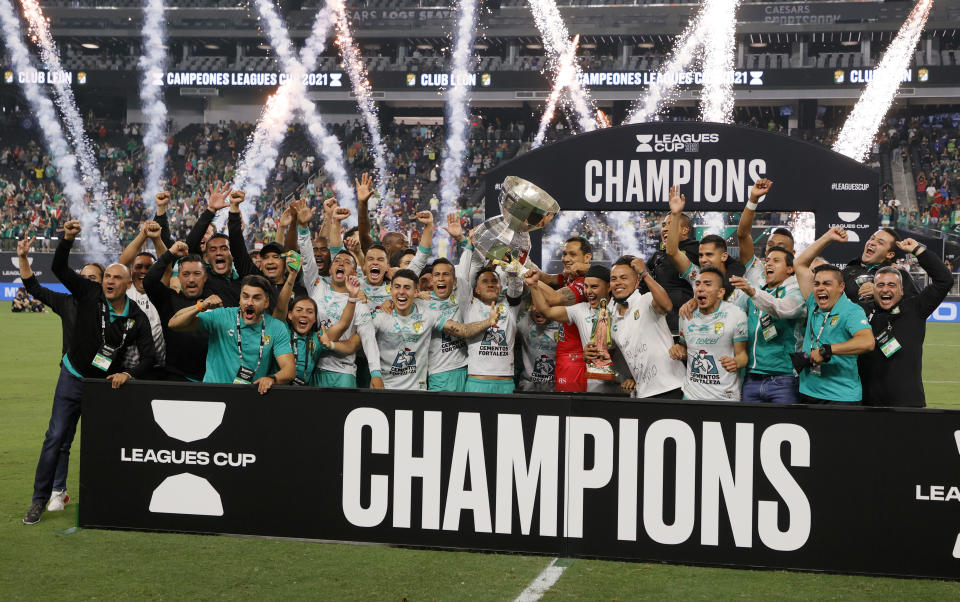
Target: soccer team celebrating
340	309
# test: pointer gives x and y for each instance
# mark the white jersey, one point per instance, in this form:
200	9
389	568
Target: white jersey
734	297
491	352
330	306
404	344
585	319
156	325
539	352
447	352
644	339
708	338
377	294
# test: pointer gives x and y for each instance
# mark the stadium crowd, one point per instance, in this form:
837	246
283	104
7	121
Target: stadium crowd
325	306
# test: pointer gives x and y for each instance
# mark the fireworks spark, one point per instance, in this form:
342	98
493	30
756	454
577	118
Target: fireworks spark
556	38
719	46
564	75
458	119
861	126
107	228
357	71
151	99
326	143
663	90
53	135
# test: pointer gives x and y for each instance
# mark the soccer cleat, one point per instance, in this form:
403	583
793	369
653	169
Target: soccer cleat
32	516
58	501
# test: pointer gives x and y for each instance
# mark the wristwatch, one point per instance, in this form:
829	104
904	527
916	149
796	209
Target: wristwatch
826	352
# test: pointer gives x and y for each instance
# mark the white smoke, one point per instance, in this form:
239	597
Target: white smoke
861	126
458	119
565	73
719	48
152	101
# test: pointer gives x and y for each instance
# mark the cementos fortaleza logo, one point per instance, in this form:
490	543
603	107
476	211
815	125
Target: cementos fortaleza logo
187	421
673	143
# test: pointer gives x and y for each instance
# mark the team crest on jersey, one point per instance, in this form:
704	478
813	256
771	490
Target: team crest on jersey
386	287
718	328
834	320
266	339
404	363
557	335
636	314
130	323
417	327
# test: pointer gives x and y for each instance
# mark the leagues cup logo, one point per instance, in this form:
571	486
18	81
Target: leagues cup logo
644	143
505	239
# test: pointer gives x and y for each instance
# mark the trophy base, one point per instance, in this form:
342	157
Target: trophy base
601	376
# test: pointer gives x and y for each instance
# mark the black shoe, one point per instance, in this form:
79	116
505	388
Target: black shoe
32	516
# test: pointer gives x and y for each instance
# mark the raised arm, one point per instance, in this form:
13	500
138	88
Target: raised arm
364	191
308	264
216	200
51	299
154	232
163	201
556	312
286	219
186	318
238	246
661	300
803	261
135	246
745	228
424	249
290	235
283	297
336	330
941	280
60	266
465	331
677	203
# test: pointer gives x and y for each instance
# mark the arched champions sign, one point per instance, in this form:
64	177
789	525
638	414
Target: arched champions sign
631	168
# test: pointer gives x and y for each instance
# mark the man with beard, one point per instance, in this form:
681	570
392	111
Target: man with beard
583	315
641	333
490	353
187	351
837	330
713	341
879	251
229	359
222	279
775	328
539	335
403	334
107	325
139	262
712	253
331	296
570	369
891	373
272	265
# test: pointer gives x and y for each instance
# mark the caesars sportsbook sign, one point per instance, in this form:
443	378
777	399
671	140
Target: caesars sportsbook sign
839	489
631	168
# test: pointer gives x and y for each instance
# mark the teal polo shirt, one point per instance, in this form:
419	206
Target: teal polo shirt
772	358
223	361
113	318
308	350
838	379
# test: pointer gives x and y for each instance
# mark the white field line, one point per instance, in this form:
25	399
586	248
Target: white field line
542	583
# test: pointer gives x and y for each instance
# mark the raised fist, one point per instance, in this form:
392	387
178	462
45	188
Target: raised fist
425	218
71	229
152	229
341	213
179	249
163	199
836	234
760	188
237	196
212	302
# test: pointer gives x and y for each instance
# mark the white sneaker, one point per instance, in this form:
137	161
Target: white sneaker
58	501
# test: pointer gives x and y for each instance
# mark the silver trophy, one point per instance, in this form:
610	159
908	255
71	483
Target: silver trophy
505	239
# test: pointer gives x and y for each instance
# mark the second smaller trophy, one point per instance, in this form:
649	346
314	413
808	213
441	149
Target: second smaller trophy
602	367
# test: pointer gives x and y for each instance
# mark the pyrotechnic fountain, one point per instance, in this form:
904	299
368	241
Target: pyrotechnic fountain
151	99
556	41
106	221
861	126
719	47
458	119
565	73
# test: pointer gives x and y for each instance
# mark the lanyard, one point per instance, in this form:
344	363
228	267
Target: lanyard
240	345
822	326
104	320
306	360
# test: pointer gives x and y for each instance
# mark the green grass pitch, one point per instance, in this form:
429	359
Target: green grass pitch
38	562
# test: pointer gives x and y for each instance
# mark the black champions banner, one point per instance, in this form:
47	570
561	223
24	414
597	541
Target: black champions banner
630	168
855	490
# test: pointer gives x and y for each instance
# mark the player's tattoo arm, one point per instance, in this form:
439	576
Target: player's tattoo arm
465	331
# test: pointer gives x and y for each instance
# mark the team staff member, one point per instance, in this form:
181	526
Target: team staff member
891	373
108	325
665	272
186	350
879	251
243	341
837	330
775	326
640	330
214	247
65	306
